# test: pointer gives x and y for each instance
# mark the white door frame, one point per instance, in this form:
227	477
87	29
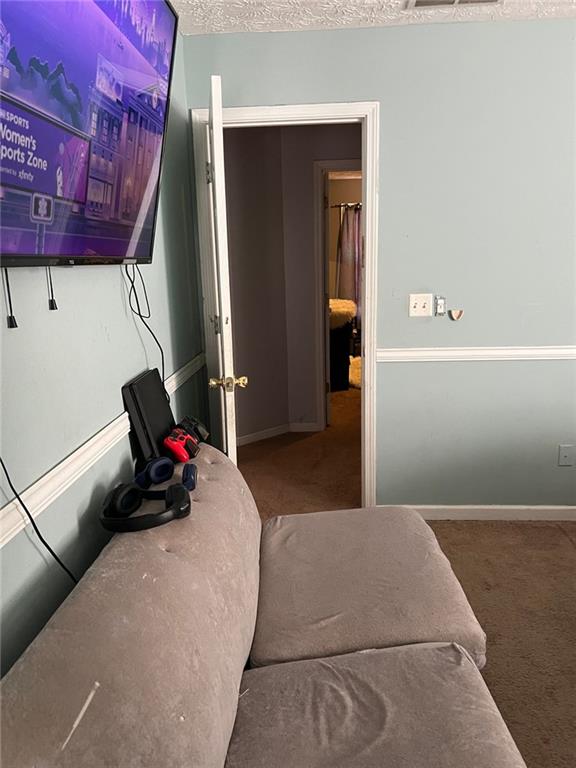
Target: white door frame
367	114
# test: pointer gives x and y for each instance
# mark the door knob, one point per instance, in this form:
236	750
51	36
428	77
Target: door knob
229	383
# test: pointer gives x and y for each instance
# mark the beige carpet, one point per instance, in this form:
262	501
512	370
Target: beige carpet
521	581
520	578
308	471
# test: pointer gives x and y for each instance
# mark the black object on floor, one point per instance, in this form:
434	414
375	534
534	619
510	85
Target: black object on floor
340	357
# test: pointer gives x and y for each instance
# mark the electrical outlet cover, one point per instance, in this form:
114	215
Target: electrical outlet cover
567	455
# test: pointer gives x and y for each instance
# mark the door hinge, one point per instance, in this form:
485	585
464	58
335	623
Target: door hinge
209	173
217	324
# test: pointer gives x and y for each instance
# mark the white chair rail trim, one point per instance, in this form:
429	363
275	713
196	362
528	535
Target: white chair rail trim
44	492
472	354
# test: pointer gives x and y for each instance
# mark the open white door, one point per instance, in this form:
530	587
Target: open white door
325	292
209	151
216	291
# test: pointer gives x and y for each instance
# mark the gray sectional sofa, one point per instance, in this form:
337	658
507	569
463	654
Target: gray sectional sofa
325	640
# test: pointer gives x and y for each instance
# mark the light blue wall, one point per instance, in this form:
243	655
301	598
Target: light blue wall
476	433
478	203
61	378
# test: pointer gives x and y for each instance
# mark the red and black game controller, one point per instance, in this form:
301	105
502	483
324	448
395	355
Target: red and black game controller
181	444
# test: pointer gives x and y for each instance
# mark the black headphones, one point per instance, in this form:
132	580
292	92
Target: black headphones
126	498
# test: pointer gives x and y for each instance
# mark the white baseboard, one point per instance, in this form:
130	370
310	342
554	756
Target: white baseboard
495	512
264	434
306	426
281	429
44	492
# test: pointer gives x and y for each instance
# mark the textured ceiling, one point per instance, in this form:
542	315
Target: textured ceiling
198	17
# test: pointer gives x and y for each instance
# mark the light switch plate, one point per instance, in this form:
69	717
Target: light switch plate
439	306
421	305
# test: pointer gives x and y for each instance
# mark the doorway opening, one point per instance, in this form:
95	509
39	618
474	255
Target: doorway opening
293	203
341	242
220	318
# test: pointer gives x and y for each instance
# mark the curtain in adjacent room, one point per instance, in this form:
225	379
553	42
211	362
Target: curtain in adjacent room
348	258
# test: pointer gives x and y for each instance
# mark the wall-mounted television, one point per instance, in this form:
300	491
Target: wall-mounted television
84	94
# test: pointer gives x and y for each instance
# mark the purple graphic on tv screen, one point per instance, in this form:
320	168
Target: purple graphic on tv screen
38	155
84	87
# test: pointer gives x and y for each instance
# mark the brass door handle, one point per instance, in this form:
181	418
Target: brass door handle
229	383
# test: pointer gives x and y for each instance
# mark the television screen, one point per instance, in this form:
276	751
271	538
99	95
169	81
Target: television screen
84	88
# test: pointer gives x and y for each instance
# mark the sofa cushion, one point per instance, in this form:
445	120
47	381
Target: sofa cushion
336	582
419	706
141	665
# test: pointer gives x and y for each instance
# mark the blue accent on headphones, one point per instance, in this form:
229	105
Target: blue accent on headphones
155	472
161	470
189	476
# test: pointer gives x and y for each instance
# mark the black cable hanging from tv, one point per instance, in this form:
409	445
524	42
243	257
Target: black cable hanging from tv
143	316
51	299
10	318
33	522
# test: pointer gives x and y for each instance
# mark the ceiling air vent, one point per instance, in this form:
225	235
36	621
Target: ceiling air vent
446	3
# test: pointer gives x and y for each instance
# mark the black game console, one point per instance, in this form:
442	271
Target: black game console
150	415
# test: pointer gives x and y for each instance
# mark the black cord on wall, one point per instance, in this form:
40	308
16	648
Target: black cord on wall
33	522
10	319
134	303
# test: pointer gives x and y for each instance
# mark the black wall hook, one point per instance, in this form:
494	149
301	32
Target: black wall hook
51	300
